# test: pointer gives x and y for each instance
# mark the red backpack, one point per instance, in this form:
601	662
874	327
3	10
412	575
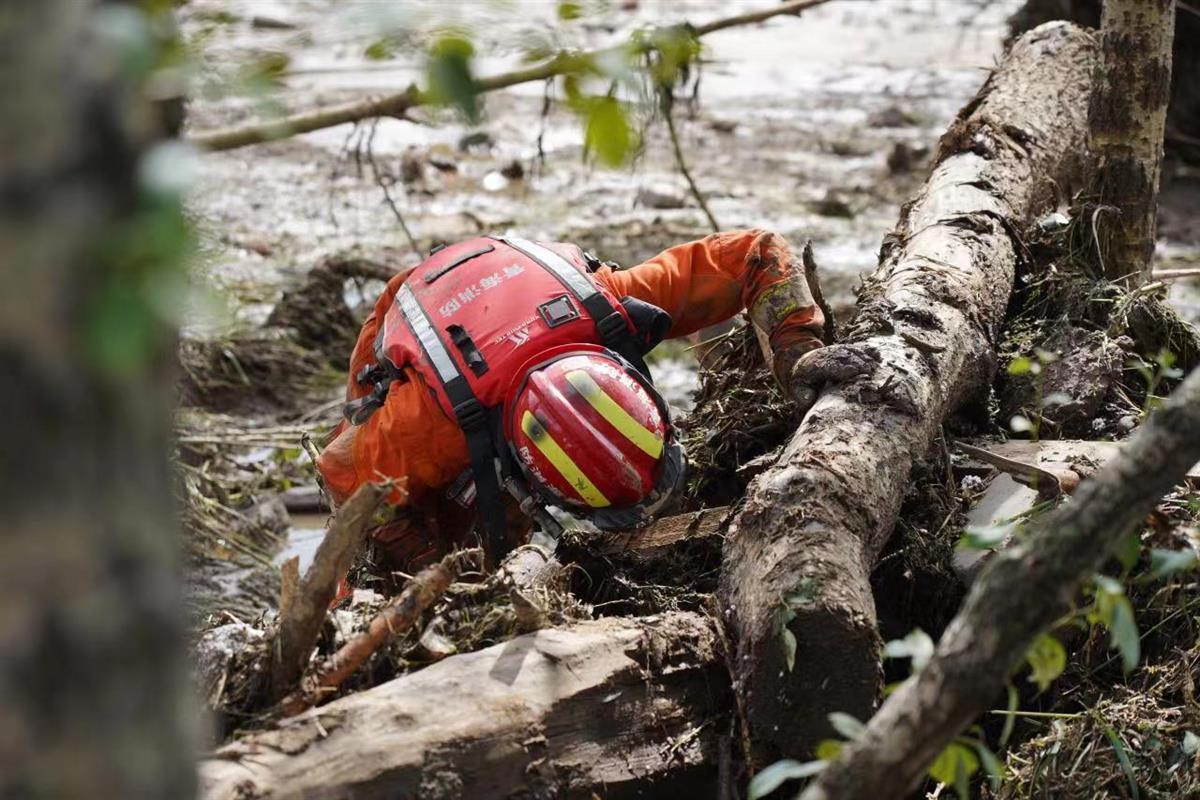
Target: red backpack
470	317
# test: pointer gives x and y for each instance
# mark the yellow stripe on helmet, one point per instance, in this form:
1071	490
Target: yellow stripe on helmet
641	436
562	462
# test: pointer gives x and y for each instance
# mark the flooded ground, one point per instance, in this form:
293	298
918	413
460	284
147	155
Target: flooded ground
818	127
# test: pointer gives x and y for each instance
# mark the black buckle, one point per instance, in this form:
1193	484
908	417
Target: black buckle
471	415
611	326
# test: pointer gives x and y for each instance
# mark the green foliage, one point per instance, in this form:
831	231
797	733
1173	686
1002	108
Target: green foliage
774	776
1047	659
568	10
1035	366
1164	563
1112	609
846	725
985	537
954	767
607	132
785	613
448	74
1163	368
140	280
916	645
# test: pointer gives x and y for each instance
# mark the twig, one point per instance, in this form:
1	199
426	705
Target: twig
814	288
682	163
421	592
397	105
300	625
382	180
1174	274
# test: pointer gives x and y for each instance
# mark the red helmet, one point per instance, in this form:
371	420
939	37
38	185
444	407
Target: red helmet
593	436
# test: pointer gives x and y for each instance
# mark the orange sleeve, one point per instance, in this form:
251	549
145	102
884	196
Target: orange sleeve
705	282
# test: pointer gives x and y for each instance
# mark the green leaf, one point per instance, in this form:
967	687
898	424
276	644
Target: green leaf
448	74
1019	366
1010	719
1047	659
568	10
985	537
828	749
1125	634
379	51
846	725
771	778
1131	549
991	764
607	131
1168	562
789	647
954	766
916	645
1123	760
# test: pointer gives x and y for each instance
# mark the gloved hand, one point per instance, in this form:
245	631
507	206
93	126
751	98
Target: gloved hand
803	371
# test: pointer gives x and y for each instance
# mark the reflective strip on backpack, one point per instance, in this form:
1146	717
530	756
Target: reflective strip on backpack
431	343
576	281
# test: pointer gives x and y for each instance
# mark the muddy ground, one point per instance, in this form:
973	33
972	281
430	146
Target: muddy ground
818	127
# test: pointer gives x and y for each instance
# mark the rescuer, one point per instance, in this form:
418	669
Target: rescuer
501	376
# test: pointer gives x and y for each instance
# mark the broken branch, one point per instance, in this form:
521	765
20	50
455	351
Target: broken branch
301	622
426	587
1020	594
399	104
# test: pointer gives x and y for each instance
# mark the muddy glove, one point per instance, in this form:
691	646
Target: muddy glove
806	375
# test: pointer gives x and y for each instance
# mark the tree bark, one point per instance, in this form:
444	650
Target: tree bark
1127	118
607	706
93	694
1021	593
300	622
801	549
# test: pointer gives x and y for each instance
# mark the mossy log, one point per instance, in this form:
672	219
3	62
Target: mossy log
797	557
606	707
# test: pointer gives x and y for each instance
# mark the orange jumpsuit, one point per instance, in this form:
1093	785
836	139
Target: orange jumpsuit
411	440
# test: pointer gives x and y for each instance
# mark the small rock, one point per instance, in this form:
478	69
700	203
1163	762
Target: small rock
892	117
722	125
412	167
272	24
494	181
904	158
660	197
476	140
513	170
831	205
1127	423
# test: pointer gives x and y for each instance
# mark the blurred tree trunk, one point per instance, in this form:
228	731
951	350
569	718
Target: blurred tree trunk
92	690
1126	122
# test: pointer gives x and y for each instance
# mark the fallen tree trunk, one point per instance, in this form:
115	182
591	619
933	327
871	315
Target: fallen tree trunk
797	558
1021	593
610	706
